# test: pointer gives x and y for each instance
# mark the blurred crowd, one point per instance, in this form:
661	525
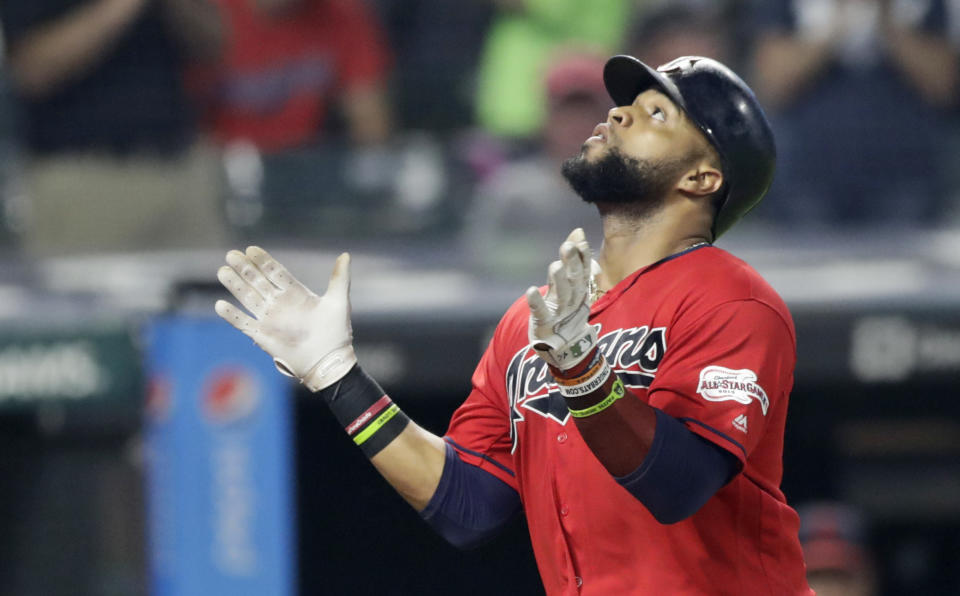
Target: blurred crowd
169	124
836	550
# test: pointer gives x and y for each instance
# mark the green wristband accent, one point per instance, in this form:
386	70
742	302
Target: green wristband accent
616	392
374	426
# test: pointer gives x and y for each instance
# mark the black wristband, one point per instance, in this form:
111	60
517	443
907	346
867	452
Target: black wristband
363	409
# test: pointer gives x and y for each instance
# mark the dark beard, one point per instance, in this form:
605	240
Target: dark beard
618	183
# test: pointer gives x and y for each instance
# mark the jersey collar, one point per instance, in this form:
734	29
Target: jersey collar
627	282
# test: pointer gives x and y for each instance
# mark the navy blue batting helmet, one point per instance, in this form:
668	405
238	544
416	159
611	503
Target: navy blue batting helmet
723	107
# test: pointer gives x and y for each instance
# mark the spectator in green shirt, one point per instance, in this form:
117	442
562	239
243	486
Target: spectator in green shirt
524	33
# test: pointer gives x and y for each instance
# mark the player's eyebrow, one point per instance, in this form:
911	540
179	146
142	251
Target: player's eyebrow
674	110
662	100
667	105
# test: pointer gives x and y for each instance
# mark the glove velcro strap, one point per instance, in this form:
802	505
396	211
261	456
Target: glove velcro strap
368	415
588	363
576	351
326	371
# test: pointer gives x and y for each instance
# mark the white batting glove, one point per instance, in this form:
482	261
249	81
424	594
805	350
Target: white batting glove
309	336
559	330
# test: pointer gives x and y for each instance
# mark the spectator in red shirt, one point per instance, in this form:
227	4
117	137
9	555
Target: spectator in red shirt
285	62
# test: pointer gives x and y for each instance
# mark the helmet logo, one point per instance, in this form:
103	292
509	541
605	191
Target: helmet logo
678	64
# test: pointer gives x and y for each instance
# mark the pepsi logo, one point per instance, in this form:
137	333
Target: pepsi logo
230	395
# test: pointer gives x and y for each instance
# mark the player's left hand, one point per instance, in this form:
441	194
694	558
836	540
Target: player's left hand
308	336
558	326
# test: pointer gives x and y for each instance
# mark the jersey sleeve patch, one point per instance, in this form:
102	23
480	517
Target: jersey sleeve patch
719	383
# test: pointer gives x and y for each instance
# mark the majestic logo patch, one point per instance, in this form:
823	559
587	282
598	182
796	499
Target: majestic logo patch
634	354
718	383
740	423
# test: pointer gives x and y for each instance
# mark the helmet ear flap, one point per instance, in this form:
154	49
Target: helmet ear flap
718	200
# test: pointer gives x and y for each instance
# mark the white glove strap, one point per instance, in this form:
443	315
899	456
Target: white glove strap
569	353
327	371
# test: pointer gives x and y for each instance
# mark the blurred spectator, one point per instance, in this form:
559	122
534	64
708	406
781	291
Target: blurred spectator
9	162
437	45
861	92
525	206
111	156
294	72
285	63
684	28
834	549
523	36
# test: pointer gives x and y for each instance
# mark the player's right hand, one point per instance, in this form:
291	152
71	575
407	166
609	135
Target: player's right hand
308	336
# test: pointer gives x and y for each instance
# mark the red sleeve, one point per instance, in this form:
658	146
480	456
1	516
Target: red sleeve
480	428
727	373
363	53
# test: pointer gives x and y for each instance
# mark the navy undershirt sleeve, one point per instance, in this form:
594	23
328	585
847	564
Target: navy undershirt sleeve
680	473
470	505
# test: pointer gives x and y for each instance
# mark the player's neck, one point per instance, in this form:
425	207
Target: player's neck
630	244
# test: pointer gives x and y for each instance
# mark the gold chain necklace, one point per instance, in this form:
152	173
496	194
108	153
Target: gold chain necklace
594	289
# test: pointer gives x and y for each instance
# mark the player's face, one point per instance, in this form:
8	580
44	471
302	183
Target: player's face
637	157
651	128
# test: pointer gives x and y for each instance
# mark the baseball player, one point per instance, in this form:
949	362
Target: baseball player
634	407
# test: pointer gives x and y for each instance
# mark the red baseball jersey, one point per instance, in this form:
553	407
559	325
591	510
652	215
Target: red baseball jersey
277	75
701	336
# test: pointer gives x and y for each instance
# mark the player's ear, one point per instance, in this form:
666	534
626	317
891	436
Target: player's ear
701	180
